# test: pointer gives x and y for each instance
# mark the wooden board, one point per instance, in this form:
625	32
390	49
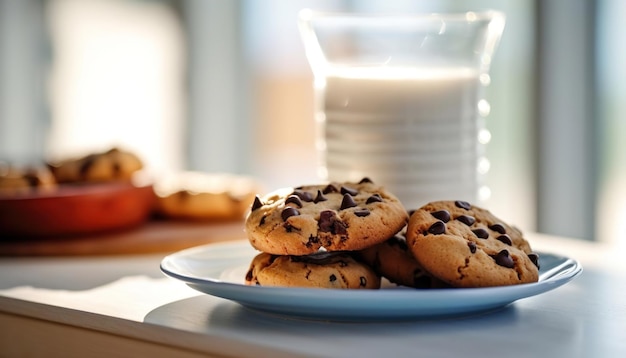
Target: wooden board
152	237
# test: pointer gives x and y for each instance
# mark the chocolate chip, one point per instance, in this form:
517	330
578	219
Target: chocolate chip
463	204
289	228
326	220
347	202
312	241
183	195
499	228
481	233
376	198
289	212
293	199
117	169
443	215
333	278
249	275
329	222
467	220
257	204
262	221
319	197
505	239
303	195
366	180
362	212
330	189
362	281
438	228
534	258
504	259
86	165
472	246
32	179
352	192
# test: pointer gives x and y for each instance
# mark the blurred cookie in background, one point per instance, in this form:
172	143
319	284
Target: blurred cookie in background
111	165
204	196
16	180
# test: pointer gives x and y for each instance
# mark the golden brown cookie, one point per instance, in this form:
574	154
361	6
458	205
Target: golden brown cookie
323	270
394	261
467	246
335	216
205	196
114	164
15	180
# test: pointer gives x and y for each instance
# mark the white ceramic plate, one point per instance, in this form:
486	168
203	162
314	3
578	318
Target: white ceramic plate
219	270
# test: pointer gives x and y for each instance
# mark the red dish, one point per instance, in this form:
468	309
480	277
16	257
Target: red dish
75	209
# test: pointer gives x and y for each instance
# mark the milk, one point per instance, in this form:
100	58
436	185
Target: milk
415	131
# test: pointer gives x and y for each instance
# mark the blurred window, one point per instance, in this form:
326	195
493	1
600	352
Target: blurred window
610	118
116	79
225	86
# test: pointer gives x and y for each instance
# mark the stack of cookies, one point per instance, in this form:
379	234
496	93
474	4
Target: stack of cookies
350	235
309	235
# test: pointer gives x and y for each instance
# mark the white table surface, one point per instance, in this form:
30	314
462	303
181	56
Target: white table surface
127	297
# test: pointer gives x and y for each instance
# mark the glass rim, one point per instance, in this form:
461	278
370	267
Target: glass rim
310	15
315	25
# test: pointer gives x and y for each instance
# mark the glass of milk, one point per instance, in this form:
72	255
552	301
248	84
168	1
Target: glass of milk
399	99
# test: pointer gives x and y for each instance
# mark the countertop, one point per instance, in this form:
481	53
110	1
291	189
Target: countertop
123	305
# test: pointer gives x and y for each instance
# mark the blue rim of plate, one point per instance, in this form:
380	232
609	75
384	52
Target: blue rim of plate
201	268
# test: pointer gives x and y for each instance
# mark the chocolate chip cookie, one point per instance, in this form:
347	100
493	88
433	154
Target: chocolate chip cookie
467	246
323	270
113	164
336	217
204	196
24	180
394	261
